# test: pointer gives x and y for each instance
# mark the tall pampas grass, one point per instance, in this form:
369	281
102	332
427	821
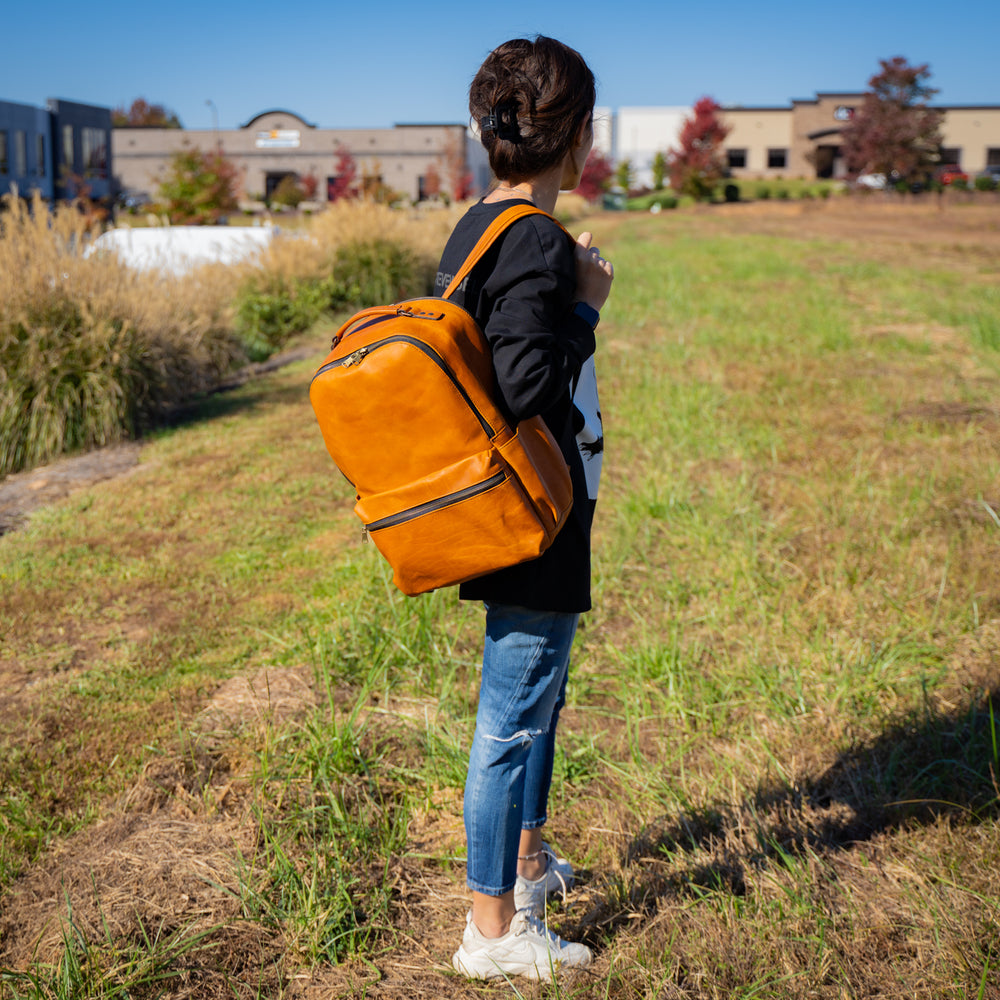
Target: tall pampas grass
91	351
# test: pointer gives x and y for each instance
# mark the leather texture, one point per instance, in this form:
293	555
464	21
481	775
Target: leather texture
446	488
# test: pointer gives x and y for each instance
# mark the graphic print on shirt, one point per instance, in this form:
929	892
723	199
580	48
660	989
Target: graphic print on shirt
588	426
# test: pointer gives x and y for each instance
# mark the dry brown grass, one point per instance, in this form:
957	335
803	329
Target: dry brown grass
740	847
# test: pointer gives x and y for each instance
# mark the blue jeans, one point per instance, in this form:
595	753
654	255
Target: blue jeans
525	663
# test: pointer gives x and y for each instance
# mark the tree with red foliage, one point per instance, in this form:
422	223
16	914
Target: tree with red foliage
142	114
432	182
697	167
894	132
345	175
310	185
596	176
459	177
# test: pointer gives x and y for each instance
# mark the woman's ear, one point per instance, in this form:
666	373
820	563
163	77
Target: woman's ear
584	132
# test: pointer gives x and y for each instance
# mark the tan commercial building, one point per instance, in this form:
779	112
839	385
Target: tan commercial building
803	140
274	144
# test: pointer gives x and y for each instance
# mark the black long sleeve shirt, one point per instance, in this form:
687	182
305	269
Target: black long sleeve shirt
521	294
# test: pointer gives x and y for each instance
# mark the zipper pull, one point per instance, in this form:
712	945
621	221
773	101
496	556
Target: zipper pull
364	534
357	357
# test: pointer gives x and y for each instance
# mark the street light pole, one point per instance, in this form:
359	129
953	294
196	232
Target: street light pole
215	123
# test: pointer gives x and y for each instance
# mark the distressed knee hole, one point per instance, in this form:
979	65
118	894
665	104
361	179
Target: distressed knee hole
522	736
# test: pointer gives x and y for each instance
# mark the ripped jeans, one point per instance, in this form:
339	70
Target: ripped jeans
525	663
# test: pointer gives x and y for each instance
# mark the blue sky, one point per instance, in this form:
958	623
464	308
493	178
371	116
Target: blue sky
369	64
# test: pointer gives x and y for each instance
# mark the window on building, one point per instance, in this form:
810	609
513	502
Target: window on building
736	158
777	159
951	156
67	147
20	153
95	152
40	155
4	165
993	156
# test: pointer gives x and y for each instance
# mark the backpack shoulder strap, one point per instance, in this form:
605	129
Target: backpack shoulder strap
493	231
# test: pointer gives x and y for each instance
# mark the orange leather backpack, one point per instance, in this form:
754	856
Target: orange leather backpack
446	488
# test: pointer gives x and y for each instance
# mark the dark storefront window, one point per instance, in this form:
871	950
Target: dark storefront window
777	159
95	152
67	147
20	153
736	158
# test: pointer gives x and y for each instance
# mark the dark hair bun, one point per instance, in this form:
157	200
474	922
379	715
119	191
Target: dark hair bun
529	100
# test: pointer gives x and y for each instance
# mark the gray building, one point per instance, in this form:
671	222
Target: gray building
61	151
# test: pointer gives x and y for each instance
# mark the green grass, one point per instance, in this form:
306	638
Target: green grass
777	764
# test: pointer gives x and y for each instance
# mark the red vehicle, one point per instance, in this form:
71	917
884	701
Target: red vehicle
948	175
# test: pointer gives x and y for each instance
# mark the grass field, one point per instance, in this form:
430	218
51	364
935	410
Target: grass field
231	756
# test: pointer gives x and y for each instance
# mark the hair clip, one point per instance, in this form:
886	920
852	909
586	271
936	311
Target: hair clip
502	120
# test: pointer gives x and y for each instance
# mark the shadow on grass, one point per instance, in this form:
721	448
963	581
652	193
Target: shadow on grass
228	400
927	766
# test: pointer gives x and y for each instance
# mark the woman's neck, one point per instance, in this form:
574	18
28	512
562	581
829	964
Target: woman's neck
542	190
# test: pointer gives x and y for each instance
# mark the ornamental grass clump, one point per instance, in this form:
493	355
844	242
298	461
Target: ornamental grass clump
91	351
354	254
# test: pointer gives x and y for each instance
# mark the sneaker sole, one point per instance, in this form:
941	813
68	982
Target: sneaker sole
465	964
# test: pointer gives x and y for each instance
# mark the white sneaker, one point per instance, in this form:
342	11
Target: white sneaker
531	894
529	949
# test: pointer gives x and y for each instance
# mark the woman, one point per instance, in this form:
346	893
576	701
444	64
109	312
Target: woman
537	296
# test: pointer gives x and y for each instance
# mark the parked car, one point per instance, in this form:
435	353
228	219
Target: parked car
874	181
991	170
133	200
949	174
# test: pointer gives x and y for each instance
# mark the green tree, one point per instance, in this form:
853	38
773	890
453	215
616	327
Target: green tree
288	192
624	175
894	132
659	171
199	188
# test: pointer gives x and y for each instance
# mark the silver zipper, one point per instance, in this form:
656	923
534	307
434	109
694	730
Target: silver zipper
356	358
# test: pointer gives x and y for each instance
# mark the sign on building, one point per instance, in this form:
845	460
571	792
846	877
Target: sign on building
278	138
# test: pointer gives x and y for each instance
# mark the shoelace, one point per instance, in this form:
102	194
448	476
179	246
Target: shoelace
555	871
535	923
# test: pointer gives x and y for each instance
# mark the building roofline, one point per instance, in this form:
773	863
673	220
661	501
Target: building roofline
277	111
756	107
965	107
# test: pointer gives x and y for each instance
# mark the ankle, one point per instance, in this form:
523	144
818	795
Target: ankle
492	915
532	866
491	927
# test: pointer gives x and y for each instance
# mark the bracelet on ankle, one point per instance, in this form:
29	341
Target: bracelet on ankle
530	857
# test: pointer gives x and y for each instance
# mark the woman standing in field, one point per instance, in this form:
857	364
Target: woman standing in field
537	296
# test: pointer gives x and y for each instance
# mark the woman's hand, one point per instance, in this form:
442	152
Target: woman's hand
594	274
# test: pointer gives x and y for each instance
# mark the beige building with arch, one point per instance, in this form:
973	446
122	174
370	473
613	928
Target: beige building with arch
276	143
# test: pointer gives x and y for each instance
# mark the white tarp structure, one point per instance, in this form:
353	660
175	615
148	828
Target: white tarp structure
177	249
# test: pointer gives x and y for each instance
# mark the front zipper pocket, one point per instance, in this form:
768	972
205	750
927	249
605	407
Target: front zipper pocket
359	356
429	506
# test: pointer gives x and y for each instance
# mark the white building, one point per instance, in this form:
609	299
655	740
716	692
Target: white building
640	133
